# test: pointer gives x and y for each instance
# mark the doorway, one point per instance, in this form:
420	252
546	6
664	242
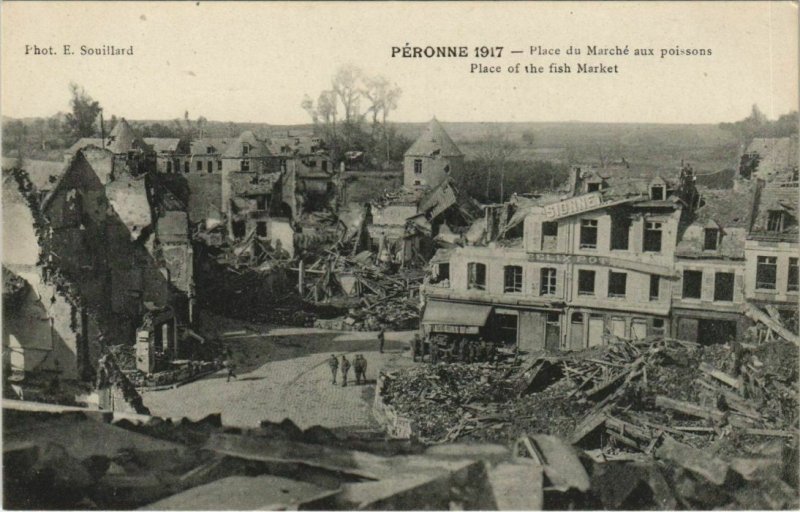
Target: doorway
710	332
552	334
595	330
576	331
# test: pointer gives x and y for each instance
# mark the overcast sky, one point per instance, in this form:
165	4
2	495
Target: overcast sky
255	61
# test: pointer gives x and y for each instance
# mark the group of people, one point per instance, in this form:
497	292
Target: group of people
465	350
359	366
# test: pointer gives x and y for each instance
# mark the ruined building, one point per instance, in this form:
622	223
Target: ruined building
103	250
626	254
431	158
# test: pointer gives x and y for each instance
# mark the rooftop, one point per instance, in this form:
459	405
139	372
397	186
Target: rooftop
434	141
256	148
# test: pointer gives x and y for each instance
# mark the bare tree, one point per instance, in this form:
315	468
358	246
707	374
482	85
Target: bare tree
497	150
383	96
347	88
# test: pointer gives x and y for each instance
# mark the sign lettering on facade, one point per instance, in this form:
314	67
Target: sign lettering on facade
573	206
454	329
603	261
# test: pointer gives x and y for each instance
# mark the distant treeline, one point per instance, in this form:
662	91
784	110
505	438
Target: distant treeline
520	176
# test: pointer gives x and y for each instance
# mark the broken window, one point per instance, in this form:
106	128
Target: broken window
447	169
548	281
209	150
476	276
219	165
593	187
261	228
417	182
655	284
512	279
692	284
549	236
723	286
775	221
245	165
442	273
418	166
794	276
711	239
657	193
324	166
658	327
169	167
586	282
652	236
245	149
620	233
186	166
239	229
766	272
261	202
617	283
199	165
588	234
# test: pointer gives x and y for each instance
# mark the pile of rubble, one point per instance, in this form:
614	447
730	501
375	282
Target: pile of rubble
136	461
622	398
373	293
696	426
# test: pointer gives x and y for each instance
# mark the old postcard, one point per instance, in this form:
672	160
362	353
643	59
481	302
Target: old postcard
400	256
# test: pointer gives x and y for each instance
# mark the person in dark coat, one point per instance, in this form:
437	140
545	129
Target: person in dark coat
381	338
463	347
334	365
357	368
361	372
345	369
417	347
231	369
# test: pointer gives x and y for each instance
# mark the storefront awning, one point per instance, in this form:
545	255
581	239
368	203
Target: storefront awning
450	313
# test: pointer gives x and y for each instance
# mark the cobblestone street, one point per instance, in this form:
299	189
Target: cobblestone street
284	373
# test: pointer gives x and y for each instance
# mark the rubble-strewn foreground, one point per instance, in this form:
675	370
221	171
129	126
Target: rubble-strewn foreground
695	414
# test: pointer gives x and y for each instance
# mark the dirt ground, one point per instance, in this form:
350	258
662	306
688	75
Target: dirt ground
284	373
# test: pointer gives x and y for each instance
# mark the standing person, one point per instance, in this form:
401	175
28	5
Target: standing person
473	351
381	337
334	365
345	369
357	368
363	369
231	369
418	348
462	350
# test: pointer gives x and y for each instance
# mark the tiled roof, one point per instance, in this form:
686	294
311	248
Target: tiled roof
777	156
200	146
434	141
257	147
778	197
729	211
728	207
162	144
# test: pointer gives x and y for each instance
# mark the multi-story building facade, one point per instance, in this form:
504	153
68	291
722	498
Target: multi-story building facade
598	261
629	256
772	249
709	297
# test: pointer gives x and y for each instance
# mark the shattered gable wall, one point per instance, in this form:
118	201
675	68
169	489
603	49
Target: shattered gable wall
104	245
172	233
46	329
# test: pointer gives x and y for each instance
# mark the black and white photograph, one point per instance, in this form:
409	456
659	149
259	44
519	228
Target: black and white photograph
400	255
